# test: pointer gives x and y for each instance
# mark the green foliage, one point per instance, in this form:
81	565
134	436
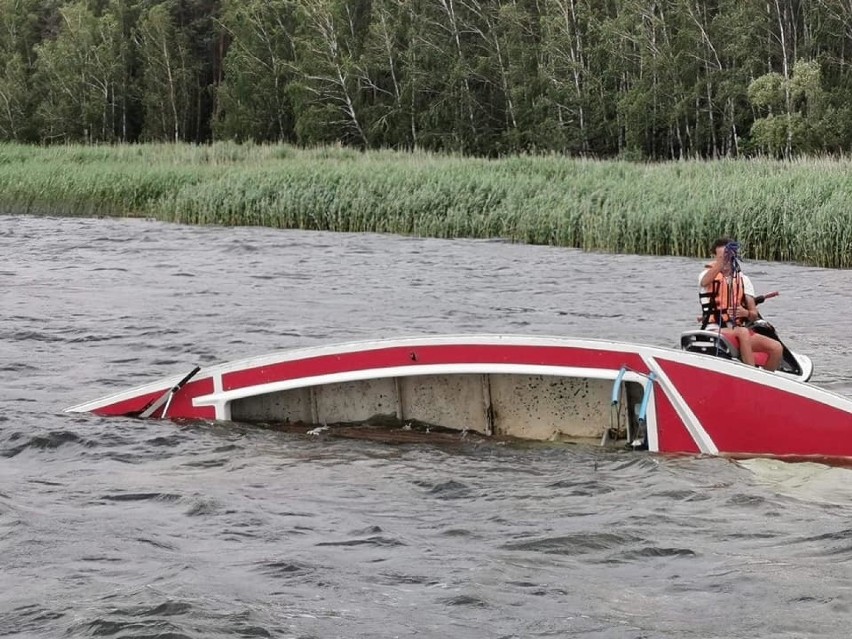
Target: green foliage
169	74
767	92
79	75
254	98
798	119
806	88
671	79
15	100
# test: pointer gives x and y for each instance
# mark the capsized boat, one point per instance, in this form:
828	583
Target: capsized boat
540	388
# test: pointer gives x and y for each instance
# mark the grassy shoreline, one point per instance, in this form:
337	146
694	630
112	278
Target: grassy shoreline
792	211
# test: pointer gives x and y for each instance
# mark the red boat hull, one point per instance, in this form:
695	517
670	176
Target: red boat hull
696	403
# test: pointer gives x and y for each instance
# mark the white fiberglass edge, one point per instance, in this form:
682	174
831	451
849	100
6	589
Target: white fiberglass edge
704	442
221	400
651	420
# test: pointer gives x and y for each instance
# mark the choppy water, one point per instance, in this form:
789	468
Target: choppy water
121	528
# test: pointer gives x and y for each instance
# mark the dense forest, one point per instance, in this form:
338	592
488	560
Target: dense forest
636	79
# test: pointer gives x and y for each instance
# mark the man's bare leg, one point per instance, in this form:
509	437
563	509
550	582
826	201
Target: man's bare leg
744	339
762	344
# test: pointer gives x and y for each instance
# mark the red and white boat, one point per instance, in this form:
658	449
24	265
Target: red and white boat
541	388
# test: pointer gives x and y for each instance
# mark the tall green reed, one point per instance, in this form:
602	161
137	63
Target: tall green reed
793	211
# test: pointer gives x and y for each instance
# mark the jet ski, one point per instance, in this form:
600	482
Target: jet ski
712	342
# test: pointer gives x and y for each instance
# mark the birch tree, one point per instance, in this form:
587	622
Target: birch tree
567	67
327	95
507	67
15	101
169	75
384	70
254	100
79	73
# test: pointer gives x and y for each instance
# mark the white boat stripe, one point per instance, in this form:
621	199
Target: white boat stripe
651	425
704	442
218	398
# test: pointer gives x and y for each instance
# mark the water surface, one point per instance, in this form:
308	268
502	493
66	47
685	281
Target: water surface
122	528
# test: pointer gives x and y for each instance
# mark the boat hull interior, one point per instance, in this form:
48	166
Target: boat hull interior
536	407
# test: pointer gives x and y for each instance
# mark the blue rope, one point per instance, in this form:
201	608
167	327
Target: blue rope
732	256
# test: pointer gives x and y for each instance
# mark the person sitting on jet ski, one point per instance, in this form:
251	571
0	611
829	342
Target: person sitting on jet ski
727	300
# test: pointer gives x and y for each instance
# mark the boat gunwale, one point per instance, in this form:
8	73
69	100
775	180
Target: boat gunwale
706	361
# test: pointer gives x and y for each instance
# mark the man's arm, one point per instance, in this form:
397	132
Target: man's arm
713	269
751	304
751	313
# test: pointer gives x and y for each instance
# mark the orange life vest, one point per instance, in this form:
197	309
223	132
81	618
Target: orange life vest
719	305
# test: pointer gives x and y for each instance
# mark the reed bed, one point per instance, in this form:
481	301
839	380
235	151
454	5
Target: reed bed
792	211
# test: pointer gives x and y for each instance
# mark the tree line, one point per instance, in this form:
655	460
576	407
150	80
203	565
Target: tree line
639	79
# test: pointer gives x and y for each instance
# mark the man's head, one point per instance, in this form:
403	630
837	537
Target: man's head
717	249
727	250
